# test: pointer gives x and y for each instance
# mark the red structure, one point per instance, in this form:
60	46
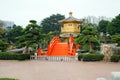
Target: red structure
58	48
39	51
70	28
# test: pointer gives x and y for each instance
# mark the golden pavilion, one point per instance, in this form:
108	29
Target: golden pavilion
70	26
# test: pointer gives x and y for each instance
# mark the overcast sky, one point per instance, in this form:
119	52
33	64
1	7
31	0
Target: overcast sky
21	11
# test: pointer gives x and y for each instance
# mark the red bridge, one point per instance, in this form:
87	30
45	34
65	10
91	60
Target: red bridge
58	48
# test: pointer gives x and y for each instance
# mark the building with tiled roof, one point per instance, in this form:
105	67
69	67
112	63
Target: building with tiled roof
70	26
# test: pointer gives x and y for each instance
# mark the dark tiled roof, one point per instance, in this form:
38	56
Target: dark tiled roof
71	18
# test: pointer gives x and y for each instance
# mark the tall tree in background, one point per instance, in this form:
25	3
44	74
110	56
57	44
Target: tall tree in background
13	32
114	26
51	23
102	26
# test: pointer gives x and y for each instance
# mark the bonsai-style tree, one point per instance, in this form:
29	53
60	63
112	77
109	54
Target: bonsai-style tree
88	38
32	35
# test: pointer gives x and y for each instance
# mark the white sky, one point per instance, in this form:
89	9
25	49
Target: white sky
21	11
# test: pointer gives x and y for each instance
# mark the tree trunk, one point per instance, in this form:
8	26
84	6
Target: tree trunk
90	46
25	51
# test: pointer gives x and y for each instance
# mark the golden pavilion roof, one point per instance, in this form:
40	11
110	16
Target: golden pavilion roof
71	19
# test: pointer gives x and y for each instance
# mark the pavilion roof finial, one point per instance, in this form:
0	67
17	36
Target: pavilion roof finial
70	14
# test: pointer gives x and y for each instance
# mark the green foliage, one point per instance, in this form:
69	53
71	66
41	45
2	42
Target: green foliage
116	39
80	56
91	57
46	38
20	41
54	33
7	79
33	21
92	51
115	58
51	23
62	39
88	38
13	56
103	25
11	33
85	47
3	45
32	35
114	26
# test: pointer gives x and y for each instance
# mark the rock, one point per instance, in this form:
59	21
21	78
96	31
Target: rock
115	76
100	79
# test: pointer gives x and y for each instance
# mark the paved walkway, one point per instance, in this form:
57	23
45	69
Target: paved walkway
44	70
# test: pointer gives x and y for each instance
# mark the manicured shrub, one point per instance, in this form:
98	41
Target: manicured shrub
80	56
92	51
115	58
24	57
13	56
93	57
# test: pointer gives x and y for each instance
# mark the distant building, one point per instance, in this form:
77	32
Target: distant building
95	20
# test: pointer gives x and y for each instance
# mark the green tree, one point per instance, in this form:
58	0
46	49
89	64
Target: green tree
116	39
13	32
3	45
32	35
114	26
88	38
51	23
1	27
102	26
46	38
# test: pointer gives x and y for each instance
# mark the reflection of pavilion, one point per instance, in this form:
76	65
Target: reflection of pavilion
70	26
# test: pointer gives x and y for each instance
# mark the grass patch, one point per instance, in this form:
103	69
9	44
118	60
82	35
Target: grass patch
8	79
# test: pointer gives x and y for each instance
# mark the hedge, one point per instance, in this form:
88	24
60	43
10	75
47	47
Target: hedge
91	57
80	57
13	56
115	58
